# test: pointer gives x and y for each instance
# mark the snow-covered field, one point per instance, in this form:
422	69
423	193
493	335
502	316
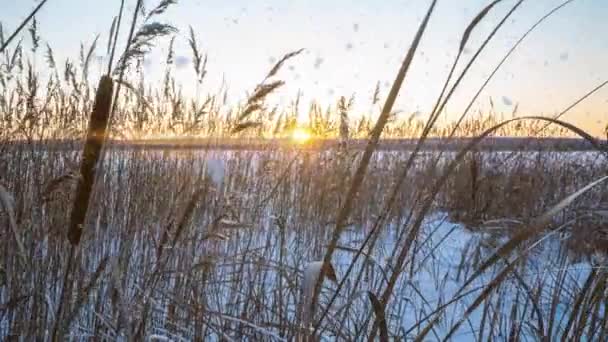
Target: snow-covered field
215	246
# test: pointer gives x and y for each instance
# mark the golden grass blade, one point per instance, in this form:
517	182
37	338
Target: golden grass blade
566	202
89	57
162	6
141	44
262	91
245	125
478	18
249	109
275	69
111	35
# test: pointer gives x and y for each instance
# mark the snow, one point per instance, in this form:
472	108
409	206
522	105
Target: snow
216	171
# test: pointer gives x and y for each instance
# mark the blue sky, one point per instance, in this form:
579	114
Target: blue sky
351	45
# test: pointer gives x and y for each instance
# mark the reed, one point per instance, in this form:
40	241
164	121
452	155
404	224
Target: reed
116	240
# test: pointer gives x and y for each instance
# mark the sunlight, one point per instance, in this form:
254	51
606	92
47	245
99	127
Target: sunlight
301	135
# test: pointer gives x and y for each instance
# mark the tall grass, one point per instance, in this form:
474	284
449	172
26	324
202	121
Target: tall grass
105	241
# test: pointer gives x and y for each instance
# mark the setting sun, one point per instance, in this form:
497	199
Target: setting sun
301	135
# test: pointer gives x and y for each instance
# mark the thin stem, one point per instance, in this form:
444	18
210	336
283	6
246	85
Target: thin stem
23	23
115	38
371	146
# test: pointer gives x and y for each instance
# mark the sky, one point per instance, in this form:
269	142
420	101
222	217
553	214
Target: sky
352	45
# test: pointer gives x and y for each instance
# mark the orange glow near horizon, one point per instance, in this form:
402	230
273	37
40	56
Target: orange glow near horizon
301	135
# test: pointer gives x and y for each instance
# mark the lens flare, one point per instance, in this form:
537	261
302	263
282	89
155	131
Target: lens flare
301	135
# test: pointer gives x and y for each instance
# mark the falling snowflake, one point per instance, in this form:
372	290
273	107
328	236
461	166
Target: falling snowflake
318	62
216	171
181	62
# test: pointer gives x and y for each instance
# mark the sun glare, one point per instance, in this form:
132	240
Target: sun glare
301	135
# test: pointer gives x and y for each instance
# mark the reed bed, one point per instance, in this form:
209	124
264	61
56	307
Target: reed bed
284	242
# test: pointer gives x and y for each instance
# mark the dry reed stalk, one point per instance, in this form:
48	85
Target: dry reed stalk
369	150
578	302
301	199
6	43
432	119
255	102
84	294
435	113
379	311
96	135
503	60
427	204
7	202
505	250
